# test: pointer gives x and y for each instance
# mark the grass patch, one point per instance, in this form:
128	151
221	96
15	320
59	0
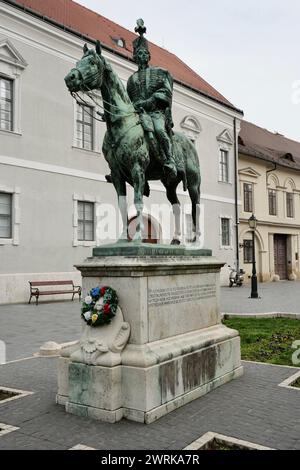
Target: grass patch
267	340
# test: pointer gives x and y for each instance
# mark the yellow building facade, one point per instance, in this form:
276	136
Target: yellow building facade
269	178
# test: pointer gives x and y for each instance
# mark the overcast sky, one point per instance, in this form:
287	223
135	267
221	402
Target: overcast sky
249	51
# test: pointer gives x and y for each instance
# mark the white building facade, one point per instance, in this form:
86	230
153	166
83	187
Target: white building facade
53	192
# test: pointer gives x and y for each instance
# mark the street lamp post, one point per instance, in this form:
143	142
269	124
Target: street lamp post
252	224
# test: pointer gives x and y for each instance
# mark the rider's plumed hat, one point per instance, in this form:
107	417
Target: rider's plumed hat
140	42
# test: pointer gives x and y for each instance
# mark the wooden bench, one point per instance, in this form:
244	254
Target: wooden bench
36	292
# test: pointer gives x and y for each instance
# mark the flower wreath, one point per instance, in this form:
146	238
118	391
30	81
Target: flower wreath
100	306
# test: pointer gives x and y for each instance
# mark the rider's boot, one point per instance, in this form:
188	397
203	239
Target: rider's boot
169	165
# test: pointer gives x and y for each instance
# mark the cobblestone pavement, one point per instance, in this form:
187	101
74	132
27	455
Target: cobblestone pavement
278	297
24	328
253	408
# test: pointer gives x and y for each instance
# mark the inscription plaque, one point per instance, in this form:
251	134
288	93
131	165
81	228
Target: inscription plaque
179	295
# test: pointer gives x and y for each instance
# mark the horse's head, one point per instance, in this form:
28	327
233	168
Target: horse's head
88	73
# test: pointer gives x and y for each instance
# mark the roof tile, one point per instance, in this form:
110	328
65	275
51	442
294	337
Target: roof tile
88	23
261	143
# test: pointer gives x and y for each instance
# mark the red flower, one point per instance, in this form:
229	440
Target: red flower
106	309
103	290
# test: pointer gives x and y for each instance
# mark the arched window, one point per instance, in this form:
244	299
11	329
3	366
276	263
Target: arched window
273	183
290	199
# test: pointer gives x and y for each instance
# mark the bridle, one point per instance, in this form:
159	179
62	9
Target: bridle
85	89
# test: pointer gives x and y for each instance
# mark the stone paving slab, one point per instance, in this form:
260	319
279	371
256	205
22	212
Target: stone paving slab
278	297
24	328
252	408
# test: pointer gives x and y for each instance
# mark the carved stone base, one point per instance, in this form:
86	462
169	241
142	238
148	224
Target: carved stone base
94	413
146	393
150	416
193	365
177	351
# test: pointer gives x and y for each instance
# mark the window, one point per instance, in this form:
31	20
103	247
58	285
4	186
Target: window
5	215
84	127
119	42
248	251
12	65
290	205
86	221
225	231
248	197
224	174
87	218
6	104
272	202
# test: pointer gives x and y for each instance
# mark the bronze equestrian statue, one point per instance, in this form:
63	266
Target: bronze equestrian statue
139	144
151	91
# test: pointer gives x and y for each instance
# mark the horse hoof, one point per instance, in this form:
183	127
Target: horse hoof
175	242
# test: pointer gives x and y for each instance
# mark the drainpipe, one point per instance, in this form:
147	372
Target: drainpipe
270	171
237	218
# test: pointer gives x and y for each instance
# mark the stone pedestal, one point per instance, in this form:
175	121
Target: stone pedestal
177	351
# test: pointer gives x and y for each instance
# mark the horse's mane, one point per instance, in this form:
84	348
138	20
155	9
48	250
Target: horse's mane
117	83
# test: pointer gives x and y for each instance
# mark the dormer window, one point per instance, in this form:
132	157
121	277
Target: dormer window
289	157
120	42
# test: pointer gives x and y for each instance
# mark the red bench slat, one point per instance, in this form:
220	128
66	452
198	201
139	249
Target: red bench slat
51	283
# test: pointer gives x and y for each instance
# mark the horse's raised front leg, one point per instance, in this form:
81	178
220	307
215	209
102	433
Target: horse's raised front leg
120	187
138	177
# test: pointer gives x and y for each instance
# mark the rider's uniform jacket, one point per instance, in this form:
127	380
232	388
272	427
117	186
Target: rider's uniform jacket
156	84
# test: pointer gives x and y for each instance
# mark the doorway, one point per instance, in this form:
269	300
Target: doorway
150	234
280	256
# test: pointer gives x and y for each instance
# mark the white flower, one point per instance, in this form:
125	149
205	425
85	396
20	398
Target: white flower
99	304
88	300
87	316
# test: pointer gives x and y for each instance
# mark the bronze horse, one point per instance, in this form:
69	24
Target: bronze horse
127	149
